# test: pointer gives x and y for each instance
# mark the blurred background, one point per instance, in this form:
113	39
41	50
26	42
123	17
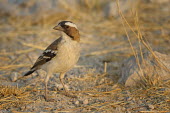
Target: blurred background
26	28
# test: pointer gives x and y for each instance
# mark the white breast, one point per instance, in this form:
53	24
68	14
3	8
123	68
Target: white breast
67	56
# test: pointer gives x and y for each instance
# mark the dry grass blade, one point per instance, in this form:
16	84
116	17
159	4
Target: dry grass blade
32	46
105	51
140	36
153	111
18	52
17	59
123	19
8	67
140	40
4	58
93	106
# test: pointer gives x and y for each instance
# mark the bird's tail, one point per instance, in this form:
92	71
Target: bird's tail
29	72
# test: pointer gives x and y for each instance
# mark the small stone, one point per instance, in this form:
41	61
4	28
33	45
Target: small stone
77	102
151	106
129	98
14	76
85	101
101	81
121	98
60	86
23	108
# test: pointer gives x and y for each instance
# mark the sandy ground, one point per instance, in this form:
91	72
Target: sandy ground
101	40
81	81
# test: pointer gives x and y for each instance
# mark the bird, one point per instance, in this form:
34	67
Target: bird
61	55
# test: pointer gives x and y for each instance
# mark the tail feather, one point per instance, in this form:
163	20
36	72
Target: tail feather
29	72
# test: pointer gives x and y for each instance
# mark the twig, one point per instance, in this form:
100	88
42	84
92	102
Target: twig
105	67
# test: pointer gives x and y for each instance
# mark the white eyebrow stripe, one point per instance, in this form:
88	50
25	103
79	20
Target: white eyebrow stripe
71	24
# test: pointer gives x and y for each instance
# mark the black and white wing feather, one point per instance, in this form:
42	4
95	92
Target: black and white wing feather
49	53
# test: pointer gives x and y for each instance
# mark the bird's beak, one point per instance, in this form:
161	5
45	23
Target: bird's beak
58	27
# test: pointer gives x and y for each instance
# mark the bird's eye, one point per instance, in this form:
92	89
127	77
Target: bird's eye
67	27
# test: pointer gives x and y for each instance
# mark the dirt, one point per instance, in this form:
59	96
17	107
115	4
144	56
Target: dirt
96	91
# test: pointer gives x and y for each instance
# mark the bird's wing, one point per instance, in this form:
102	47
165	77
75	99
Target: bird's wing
49	53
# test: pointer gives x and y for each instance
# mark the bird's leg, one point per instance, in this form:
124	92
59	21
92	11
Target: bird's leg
66	91
46	83
61	80
45	90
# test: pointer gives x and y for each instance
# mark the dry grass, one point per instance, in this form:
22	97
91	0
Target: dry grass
12	96
152	93
158	96
141	42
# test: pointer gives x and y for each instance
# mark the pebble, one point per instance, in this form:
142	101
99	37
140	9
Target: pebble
129	98
102	81
86	101
121	98
14	76
60	86
151	106
77	102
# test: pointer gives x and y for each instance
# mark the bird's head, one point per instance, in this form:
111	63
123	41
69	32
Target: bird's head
69	28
